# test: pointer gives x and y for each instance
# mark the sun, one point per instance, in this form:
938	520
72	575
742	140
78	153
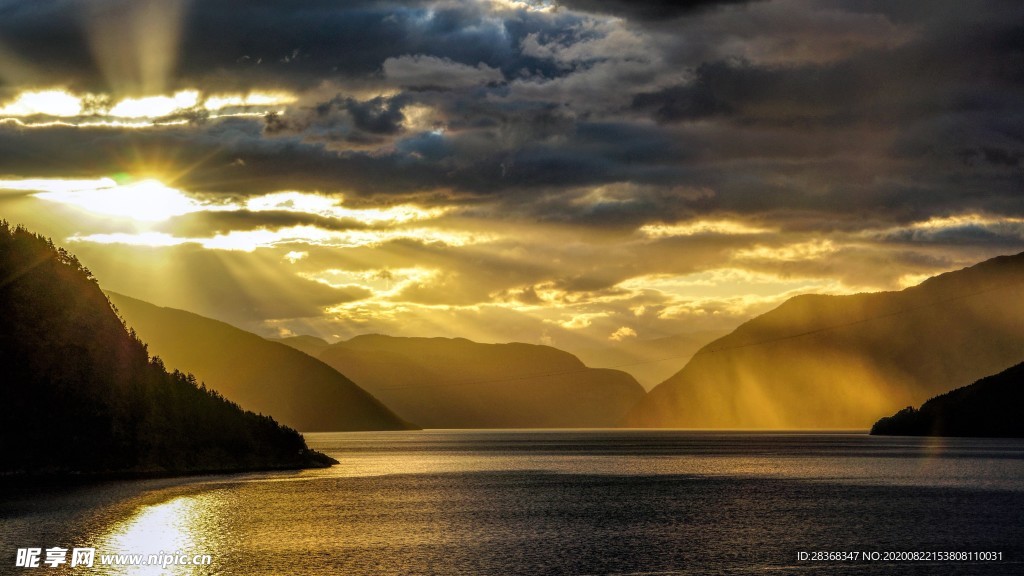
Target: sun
144	201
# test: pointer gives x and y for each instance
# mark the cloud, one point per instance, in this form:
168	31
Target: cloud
523	170
622	333
651	10
430	72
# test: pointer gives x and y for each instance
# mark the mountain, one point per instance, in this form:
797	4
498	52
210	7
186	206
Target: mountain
649	361
991	407
259	375
456	383
311	345
80	394
844	361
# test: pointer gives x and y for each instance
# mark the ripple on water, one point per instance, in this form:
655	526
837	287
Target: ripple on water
566	502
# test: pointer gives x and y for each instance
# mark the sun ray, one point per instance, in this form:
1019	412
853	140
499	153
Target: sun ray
146	200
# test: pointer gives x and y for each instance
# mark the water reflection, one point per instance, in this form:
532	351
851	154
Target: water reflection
989	463
567	502
185	526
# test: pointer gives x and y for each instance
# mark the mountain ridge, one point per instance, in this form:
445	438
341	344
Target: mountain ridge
825	361
260	375
458	383
81	395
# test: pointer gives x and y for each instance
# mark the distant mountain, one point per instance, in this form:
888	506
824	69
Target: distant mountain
311	345
991	407
844	361
262	376
79	393
652	361
456	383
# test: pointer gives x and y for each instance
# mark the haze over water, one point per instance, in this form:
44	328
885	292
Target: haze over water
558	502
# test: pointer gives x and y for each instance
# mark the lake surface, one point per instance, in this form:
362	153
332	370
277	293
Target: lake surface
557	502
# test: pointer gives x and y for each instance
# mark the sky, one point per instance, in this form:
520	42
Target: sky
579	173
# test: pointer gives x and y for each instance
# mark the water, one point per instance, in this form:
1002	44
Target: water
557	502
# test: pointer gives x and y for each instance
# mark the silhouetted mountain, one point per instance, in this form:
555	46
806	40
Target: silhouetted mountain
456	383
260	375
844	361
309	344
652	361
79	393
991	407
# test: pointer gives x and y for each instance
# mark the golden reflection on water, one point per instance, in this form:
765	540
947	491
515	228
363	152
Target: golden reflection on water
186	525
935	446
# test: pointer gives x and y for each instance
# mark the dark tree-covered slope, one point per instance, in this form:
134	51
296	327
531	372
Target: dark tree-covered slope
80	394
260	375
991	407
457	383
821	361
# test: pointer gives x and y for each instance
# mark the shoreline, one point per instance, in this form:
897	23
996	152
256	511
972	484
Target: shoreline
18	479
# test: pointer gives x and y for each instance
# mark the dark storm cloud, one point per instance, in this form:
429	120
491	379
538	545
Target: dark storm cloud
974	70
912	111
594	154
229	44
376	116
211	156
344	120
205	224
1005	235
304	44
650	10
48	39
835	94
